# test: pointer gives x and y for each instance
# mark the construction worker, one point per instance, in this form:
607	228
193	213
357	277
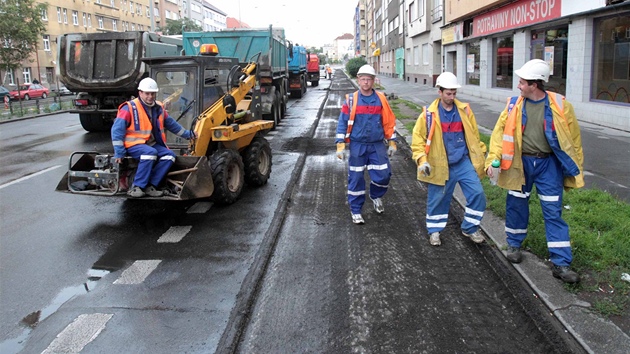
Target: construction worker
138	131
329	71
365	122
447	150
537	139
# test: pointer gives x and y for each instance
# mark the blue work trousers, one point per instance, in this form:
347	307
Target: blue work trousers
372	156
153	163
546	173
439	198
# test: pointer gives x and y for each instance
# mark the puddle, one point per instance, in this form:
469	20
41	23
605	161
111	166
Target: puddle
30	321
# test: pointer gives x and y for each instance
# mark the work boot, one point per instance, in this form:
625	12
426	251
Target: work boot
514	254
153	192
357	219
135	192
378	205
476	236
434	239
565	274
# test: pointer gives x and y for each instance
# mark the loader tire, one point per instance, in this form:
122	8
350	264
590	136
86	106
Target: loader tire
257	160
228	174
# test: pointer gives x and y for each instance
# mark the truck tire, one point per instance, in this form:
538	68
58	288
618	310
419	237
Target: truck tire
228	175
94	122
314	83
273	116
257	160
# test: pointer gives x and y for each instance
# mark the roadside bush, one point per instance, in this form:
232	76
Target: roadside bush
353	65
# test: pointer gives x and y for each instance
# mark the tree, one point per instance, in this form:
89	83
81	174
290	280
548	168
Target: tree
19	38
353	65
178	26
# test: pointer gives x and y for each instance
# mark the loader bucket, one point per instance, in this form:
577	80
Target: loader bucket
190	177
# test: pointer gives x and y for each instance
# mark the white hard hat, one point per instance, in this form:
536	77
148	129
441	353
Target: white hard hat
366	70
535	69
447	80
148	85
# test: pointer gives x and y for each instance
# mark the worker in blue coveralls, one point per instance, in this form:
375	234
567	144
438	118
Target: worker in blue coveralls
367	124
138	131
537	139
447	150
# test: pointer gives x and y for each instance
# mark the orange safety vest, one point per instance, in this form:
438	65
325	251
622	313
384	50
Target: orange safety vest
387	115
507	152
139	131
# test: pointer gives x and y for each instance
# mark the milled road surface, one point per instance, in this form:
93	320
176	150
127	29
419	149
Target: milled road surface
335	287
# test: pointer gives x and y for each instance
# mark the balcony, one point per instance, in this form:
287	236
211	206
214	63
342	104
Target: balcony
436	13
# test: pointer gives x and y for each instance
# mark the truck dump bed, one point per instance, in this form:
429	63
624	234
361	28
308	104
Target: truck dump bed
244	44
102	62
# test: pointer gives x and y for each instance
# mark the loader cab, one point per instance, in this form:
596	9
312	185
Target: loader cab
188	85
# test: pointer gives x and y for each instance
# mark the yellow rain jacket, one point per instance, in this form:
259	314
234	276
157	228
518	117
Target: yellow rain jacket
568	139
427	145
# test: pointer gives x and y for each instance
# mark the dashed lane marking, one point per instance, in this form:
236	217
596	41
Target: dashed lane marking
79	333
174	234
29	176
138	271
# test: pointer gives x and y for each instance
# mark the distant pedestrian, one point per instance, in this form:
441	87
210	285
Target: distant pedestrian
329	71
366	122
447	150
537	139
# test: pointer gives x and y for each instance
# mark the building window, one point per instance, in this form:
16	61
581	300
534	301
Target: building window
89	20
65	16
47	43
416	55
472	63
436	12
131	8
114	25
551	46
611	62
425	54
84	20
8	77
44	14
59	14
148	12
26	73
49	74
113	3
100	21
133	27
504	61
75	18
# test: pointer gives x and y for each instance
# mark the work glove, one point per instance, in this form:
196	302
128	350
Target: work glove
391	150
425	169
341	151
193	135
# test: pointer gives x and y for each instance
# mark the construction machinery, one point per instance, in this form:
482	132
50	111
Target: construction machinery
217	97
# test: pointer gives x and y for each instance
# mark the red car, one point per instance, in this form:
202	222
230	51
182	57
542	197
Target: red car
28	91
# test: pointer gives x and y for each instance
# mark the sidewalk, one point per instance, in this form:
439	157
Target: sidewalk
597	335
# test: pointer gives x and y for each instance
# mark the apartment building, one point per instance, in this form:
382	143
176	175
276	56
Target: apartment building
586	43
86	16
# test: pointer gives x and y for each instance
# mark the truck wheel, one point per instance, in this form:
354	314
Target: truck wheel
228	175
296	94
314	83
94	122
278	105
273	116
257	160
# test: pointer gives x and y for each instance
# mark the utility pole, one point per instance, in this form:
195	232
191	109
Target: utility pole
152	7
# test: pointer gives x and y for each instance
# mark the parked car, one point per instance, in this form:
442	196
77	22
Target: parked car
63	90
3	92
322	71
28	91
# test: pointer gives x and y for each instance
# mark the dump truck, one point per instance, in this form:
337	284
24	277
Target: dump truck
312	69
297	71
269	44
104	69
219	98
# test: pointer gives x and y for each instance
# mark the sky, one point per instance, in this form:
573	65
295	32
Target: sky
309	23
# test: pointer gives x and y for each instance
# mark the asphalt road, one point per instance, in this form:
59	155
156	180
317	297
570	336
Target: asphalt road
282	270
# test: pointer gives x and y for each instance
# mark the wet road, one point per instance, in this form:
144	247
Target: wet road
282	270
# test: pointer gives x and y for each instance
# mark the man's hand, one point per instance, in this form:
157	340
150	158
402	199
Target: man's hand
391	150
193	135
341	151
425	169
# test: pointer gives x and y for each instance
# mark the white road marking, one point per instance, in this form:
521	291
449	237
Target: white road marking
174	234
138	271
199	208
79	333
21	179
